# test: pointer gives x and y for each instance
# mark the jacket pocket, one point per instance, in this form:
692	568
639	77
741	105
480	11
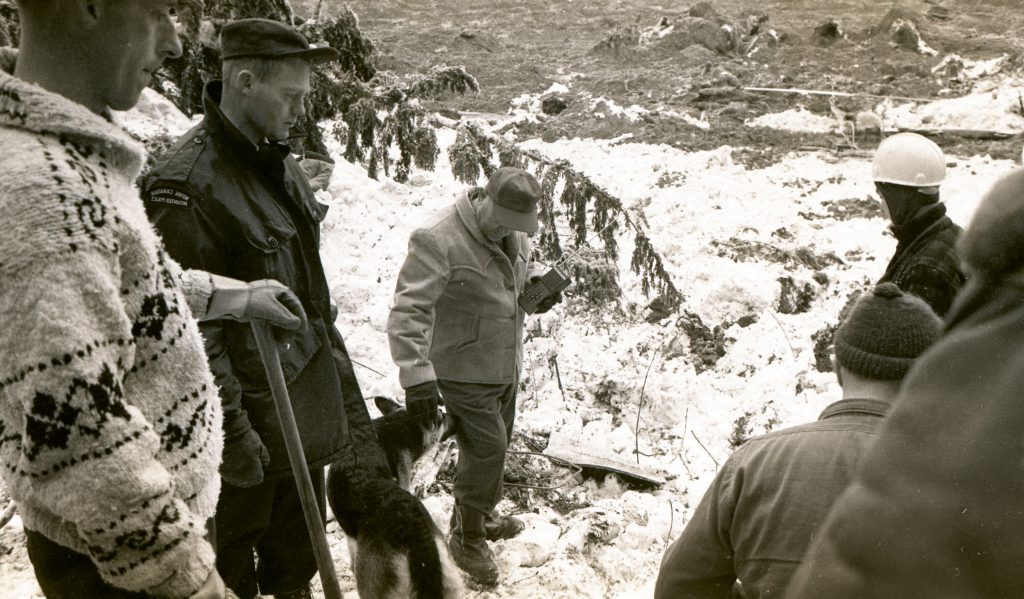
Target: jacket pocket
454	331
267	254
295	354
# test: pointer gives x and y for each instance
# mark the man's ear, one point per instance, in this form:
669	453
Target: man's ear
244	81
88	12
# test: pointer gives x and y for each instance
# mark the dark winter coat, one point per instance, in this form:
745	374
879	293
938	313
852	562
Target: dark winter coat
455	313
225	206
938	509
766	504
926	263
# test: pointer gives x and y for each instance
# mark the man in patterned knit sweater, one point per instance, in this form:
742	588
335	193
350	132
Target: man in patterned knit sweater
110	423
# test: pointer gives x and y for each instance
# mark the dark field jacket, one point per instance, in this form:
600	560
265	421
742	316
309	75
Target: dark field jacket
926	263
766	504
228	207
938	509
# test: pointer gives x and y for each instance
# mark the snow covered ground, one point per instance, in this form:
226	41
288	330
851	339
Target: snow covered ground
728	235
766	378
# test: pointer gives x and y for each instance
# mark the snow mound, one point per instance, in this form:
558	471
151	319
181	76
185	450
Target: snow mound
797	119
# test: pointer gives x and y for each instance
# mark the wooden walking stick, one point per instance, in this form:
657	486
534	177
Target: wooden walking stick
297	457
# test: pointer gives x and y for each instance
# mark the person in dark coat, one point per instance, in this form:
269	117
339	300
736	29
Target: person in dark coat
456	331
908	170
765	505
936	509
229	198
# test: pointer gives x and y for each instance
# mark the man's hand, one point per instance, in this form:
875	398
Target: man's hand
549	302
244	460
213	588
422	401
265	300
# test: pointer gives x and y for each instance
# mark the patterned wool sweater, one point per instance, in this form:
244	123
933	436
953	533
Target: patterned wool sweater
110	424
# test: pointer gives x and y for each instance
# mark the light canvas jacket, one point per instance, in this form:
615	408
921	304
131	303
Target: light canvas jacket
455	314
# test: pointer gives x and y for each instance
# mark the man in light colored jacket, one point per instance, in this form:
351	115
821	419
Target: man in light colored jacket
456	330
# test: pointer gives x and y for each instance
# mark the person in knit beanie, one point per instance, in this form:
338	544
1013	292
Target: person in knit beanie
886	331
935	510
767	501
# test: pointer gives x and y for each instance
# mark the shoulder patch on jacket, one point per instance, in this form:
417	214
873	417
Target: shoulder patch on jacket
171	193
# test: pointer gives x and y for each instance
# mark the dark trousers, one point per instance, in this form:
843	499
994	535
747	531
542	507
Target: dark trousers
66	574
483	415
266	519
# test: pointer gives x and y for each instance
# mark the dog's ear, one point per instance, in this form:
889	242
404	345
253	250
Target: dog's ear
386	405
449	426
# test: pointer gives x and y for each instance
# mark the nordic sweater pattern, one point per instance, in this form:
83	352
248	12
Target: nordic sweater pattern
110	424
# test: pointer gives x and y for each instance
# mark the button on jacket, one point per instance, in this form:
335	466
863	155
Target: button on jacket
455	313
766	504
230	207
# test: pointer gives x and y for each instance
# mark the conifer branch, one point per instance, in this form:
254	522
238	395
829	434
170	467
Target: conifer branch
471	156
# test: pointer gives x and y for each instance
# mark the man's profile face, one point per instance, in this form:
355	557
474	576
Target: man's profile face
132	38
884	201
489	223
277	102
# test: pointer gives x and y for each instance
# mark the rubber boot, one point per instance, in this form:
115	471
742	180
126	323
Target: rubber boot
300	593
468	545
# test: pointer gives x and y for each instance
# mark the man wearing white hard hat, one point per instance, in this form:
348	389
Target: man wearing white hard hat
908	170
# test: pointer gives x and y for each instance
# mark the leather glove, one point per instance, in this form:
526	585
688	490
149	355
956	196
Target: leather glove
265	300
245	457
548	303
422	401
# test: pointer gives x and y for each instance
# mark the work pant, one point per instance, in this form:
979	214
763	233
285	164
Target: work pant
483	416
66	574
269	520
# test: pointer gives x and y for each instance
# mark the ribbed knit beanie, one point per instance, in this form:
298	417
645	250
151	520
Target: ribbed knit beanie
885	332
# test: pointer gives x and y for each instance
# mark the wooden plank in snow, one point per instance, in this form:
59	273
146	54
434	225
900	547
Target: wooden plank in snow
587	459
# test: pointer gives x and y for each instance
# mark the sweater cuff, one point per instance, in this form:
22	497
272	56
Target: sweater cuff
197	286
187	579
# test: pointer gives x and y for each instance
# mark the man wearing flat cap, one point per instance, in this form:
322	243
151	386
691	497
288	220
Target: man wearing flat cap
229	198
456	330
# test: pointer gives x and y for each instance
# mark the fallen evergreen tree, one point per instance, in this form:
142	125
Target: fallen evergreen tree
472	156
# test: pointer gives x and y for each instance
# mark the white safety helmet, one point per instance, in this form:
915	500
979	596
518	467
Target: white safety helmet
909	159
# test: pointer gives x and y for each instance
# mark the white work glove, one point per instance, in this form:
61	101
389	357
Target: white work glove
264	300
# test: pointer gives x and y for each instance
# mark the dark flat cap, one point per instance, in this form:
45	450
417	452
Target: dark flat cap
263	38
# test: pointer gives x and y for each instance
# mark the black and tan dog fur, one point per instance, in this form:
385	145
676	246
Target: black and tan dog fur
397	550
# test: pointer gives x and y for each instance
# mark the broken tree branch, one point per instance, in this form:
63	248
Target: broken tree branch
425	472
640	405
821	92
8	513
702	446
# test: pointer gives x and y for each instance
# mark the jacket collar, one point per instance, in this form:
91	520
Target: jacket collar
221	127
921	221
30	108
869	407
467	213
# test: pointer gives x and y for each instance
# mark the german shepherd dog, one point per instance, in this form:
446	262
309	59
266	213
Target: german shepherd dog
397	550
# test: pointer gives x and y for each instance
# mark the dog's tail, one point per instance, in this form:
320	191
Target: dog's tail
426	567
